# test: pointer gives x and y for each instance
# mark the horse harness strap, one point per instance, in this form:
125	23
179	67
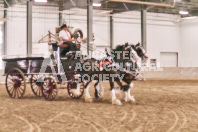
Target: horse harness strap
70	61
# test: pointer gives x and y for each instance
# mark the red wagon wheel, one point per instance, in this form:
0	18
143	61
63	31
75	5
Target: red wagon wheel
36	86
75	90
50	89
15	83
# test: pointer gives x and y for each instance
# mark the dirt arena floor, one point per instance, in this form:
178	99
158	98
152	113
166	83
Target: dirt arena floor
161	106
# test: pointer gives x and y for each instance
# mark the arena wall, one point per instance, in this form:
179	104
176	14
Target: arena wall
164	34
173	73
44	20
189	43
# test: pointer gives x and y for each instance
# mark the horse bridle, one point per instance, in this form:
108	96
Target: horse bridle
143	51
134	57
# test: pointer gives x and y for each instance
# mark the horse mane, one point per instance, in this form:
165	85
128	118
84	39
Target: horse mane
133	46
119	48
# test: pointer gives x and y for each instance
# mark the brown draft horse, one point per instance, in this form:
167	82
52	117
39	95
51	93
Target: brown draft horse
125	55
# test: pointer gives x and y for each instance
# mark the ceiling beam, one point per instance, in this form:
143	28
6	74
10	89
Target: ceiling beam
141	2
194	13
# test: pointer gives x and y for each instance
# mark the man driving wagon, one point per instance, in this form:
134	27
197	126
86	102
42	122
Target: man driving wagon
65	36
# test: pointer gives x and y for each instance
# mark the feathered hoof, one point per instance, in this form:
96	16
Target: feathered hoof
126	99
100	99
131	99
88	99
116	102
101	95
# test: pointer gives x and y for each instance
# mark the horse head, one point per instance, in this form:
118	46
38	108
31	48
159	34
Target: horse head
141	52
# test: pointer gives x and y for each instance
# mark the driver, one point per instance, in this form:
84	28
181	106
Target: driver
65	36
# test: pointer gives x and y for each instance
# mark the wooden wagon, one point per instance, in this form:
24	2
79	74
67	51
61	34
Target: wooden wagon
21	70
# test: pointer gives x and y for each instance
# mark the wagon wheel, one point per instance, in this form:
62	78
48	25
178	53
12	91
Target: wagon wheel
36	86
75	90
15	83
49	88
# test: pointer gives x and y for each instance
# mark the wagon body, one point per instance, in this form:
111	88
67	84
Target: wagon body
17	68
26	64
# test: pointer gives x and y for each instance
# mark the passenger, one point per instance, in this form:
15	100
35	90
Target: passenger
65	36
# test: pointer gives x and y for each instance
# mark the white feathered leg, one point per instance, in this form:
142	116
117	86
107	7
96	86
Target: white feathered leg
114	100
76	91
100	89
130	98
88	98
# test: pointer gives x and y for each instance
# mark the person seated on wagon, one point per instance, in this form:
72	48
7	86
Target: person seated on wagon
65	36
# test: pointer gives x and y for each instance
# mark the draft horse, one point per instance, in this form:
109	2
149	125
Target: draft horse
129	55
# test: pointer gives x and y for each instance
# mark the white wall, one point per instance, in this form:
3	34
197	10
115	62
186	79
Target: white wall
1	37
16	38
163	34
42	23
2	79
189	43
1	30
162	38
127	28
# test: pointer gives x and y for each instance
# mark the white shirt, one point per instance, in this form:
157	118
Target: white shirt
64	34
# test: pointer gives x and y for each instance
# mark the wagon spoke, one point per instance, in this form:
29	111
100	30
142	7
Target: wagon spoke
47	95
14	93
9	77
54	93
34	78
11	91
17	95
10	84
20	89
39	92
50	97
37	89
11	88
34	87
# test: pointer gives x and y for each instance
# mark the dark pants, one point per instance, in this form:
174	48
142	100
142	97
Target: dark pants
72	47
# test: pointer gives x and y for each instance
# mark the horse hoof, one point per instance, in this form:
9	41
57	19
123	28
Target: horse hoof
89	100
125	99
116	102
132	99
100	95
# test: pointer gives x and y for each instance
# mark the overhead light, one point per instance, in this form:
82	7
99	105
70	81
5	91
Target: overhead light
97	4
183	12
42	1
